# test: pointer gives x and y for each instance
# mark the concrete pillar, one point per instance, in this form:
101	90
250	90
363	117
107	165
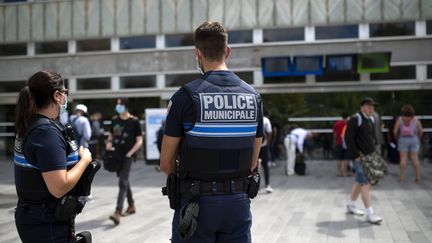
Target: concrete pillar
115	83
420	28
31	49
363	31
310	33
160	41
421	72
160	81
115	44
258	79
72	47
257	36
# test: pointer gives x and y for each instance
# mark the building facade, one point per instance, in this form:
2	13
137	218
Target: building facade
144	48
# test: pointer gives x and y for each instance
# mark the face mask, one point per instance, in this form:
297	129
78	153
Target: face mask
120	108
199	66
63	108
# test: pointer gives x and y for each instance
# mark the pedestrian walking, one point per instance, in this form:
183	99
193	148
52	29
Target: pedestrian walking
361	147
125	140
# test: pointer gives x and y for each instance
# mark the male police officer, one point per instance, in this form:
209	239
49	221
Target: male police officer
214	129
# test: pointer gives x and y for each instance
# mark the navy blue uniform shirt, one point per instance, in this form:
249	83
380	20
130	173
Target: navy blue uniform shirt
180	110
45	147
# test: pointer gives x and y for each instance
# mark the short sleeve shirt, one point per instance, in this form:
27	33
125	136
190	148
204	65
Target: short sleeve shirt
46	148
337	130
180	108
124	133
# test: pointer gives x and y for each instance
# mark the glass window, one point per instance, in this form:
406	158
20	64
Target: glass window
429	71
239	36
392	29
396	73
336	32
94	45
288	34
11	86
51	47
177	40
12	1
93	83
246	76
337	77
287	79
175	80
138	42
136	82
13	49
429	27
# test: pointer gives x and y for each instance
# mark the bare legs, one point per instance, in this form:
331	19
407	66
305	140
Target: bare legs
339	164
364	191
416	163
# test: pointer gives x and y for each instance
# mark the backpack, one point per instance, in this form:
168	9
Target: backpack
359	123
300	165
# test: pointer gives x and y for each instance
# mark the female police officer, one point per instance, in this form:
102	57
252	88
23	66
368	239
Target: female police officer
47	165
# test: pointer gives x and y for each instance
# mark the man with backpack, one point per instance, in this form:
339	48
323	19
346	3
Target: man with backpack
360	140
81	125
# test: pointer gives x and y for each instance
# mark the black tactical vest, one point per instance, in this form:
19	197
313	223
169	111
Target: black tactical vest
29	183
219	144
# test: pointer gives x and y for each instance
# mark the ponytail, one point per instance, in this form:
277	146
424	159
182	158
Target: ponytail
24	110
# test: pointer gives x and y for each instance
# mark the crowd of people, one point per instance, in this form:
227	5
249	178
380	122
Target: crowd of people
234	148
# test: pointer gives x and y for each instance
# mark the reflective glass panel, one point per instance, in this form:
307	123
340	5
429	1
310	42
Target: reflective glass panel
93	45
175	80
136	82
177	40
392	29
13	49
93	83
396	73
239	36
51	47
286	34
336	32
138	42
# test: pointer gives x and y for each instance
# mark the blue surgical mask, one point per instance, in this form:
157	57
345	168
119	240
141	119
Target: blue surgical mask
120	108
63	108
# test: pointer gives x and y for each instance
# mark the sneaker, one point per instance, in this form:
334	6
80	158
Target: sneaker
130	210
352	209
115	217
269	189
374	219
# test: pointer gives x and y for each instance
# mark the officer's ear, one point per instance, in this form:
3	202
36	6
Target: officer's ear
57	96
198	54
228	52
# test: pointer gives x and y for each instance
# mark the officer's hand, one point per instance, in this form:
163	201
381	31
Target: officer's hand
108	146
85	154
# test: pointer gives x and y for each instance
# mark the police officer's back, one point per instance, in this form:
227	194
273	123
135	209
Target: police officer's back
214	129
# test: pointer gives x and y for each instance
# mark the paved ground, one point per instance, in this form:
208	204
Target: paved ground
301	209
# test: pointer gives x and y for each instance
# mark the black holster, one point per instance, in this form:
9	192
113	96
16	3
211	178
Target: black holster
67	209
254	182
172	190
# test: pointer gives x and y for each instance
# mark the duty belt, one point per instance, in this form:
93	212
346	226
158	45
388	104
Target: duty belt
217	187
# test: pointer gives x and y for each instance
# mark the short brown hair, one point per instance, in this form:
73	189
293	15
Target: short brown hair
211	39
407	110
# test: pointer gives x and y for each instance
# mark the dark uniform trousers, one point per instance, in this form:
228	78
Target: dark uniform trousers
221	219
36	223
